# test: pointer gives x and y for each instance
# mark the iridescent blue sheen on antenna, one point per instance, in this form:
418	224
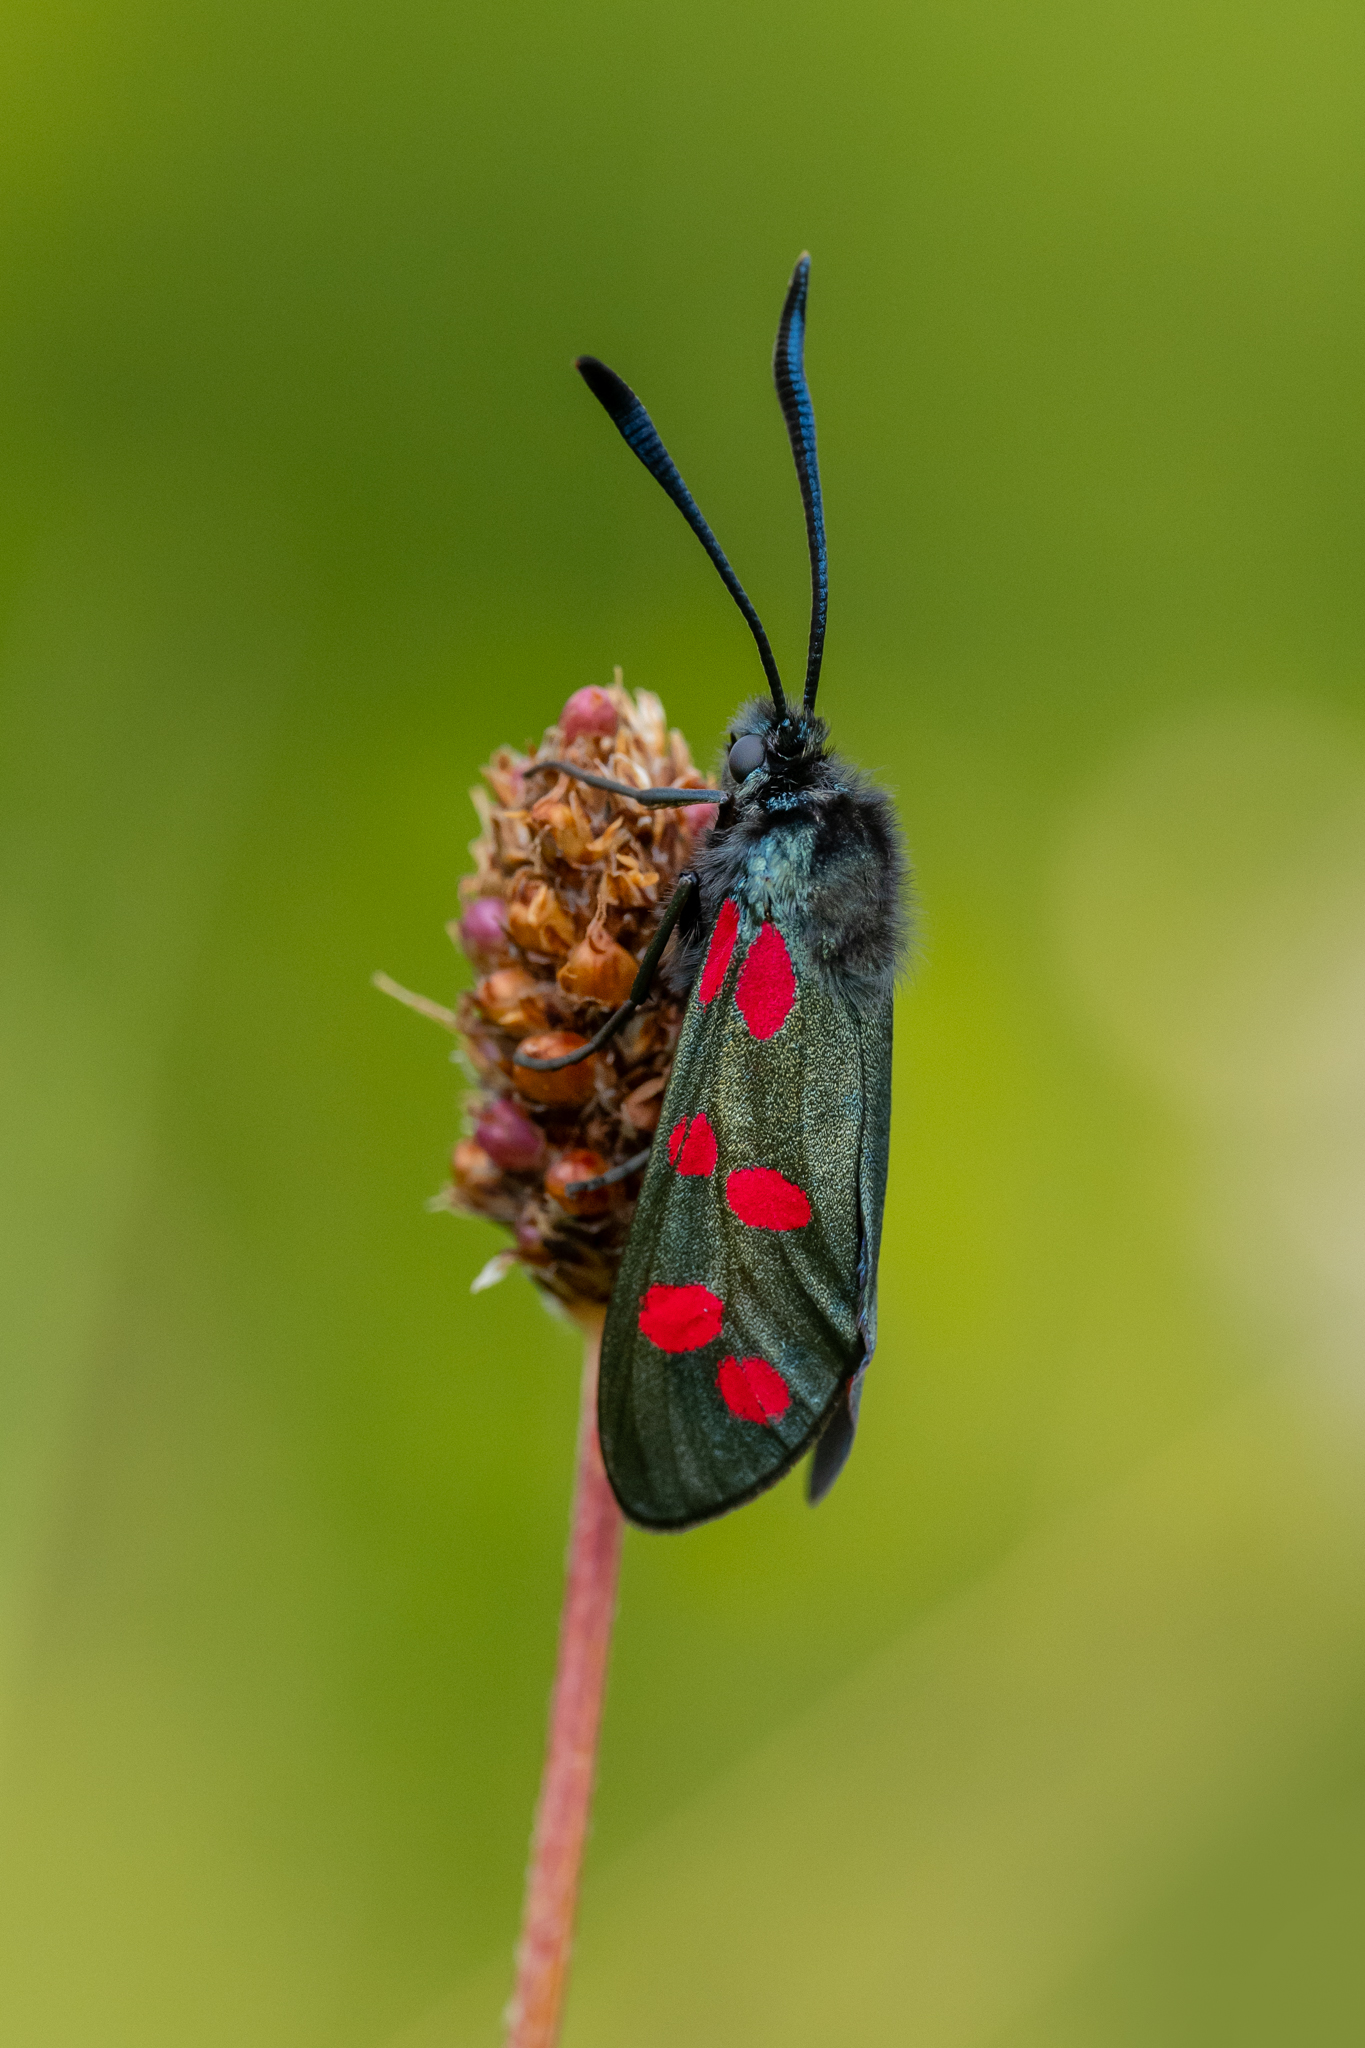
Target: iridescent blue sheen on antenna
789	374
640	434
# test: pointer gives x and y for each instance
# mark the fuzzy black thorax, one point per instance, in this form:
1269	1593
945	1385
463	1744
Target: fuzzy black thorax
804	838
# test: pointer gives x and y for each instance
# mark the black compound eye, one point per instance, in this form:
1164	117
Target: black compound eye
746	755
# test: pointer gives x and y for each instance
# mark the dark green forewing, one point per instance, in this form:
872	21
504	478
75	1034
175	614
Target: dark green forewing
746	1300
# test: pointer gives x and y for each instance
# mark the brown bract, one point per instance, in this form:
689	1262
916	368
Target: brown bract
583	877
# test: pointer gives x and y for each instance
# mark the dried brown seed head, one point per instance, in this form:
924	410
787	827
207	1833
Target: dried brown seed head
475	1173
568	886
514	1000
561	1087
572	1168
539	920
598	970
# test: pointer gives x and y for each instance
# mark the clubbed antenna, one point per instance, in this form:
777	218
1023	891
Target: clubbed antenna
789	374
639	433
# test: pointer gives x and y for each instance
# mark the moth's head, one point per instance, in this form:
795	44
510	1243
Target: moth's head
769	755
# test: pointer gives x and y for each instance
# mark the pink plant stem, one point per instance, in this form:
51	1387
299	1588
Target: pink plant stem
575	1717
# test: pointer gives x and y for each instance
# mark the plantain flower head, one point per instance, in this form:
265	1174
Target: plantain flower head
568	886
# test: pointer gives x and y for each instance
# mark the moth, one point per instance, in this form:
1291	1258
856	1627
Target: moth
745	1311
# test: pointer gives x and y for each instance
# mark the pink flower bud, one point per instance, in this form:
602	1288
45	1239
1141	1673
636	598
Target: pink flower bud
699	819
588	713
509	1137
483	928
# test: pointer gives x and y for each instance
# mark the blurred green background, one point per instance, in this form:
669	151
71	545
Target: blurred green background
1048	1731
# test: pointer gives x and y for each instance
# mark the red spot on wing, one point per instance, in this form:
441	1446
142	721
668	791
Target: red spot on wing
675	1139
753	1390
766	1200
681	1318
697	1153
766	988
718	952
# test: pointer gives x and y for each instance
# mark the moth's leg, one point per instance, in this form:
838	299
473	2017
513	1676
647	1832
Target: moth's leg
688	887
644	981
609	1179
656	799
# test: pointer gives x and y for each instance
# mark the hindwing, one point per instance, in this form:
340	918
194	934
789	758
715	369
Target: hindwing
745	1305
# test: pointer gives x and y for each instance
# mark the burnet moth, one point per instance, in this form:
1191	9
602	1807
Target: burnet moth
745	1311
